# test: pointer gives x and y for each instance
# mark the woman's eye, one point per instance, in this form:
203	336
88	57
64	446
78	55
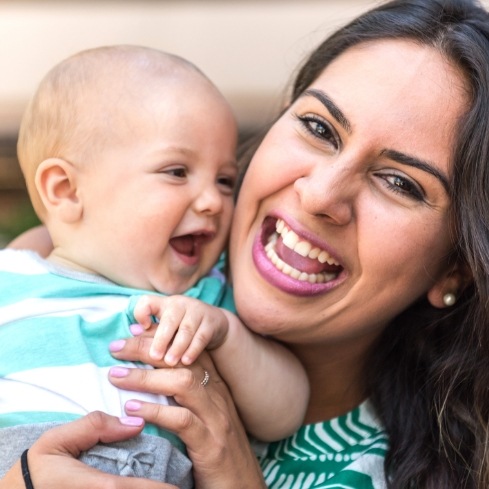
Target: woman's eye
319	128
403	186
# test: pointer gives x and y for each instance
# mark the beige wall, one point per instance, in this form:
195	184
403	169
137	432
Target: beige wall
249	48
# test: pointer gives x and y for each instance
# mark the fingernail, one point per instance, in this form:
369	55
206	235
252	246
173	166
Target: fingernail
117	345
133	405
186	360
170	359
155	354
131	421
136	329
119	372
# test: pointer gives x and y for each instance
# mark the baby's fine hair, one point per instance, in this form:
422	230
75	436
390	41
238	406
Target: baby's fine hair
78	102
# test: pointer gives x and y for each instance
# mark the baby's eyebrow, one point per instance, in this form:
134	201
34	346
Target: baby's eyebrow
333	109
414	162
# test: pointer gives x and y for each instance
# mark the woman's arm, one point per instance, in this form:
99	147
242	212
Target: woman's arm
36	239
206	420
52	458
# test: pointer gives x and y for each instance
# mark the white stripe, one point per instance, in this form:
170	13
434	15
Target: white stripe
321	433
342	433
91	309
21	262
336	485
298	481
300	450
369	417
307	437
372	465
289	448
76	389
355	428
309	481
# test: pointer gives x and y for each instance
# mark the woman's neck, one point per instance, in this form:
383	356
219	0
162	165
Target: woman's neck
336	377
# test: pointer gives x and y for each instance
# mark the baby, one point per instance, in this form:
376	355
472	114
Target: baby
129	159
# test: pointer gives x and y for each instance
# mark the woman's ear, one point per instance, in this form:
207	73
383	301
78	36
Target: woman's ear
447	289
56	183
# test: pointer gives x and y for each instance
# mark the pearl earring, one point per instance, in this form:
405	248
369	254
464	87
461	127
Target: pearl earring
449	299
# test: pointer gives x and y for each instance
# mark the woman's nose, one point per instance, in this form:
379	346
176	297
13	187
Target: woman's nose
208	201
328	191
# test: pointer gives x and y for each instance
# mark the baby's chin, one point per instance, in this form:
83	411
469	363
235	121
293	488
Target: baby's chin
178	285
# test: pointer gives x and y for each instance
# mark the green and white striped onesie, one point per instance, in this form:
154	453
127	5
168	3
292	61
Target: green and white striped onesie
55	329
347	452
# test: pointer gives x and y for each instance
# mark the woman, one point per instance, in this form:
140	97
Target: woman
360	241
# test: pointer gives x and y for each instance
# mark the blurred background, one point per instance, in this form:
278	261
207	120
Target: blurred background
249	48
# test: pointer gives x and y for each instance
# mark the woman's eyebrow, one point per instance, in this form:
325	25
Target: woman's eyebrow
414	162
402	158
333	109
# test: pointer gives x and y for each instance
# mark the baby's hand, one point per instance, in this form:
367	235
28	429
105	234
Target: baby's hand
186	327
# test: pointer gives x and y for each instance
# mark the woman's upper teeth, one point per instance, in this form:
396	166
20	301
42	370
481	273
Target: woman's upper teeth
302	247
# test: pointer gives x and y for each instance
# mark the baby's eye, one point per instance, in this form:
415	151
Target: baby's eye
320	129
177	172
226	183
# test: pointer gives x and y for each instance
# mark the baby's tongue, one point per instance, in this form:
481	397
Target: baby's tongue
183	244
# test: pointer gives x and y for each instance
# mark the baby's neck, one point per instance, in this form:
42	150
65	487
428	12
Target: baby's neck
57	259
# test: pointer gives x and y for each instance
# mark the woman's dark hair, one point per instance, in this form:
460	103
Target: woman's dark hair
428	375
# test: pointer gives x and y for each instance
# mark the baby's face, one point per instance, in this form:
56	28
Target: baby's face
158	200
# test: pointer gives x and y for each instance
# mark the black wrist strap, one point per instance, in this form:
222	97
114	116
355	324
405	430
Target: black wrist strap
25	471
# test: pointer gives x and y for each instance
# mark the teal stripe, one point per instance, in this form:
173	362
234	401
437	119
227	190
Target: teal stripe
49	286
30	417
59	341
16	286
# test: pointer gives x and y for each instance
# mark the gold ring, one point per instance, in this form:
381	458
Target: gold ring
206	378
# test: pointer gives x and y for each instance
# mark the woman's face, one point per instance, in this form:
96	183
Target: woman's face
342	220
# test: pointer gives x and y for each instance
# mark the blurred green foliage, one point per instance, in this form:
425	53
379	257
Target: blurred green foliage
16	217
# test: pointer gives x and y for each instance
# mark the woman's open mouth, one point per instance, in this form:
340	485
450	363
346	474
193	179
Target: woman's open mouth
291	262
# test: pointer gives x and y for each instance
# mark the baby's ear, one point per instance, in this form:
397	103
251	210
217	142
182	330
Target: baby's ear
447	289
56	183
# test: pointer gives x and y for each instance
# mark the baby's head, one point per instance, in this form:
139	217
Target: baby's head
129	159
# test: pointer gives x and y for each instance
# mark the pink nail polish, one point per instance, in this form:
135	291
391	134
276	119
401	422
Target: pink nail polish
119	372
136	329
133	405
131	421
117	345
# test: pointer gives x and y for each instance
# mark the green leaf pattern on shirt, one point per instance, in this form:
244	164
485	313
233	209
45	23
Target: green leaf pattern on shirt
347	452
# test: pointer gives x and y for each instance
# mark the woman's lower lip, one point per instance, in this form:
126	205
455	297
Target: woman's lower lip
280	280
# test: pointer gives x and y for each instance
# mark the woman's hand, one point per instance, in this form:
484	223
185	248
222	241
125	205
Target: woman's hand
52	458
206	420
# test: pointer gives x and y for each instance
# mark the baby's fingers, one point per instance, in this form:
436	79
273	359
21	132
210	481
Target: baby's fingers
192	337
169	323
200	341
143	311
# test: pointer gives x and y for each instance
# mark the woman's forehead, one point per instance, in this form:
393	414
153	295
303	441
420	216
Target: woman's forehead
401	92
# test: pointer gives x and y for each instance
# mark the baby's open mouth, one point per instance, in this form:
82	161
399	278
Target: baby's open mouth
293	255
189	244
